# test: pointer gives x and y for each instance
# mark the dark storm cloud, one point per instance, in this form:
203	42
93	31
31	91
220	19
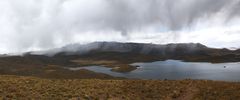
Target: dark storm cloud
235	10
127	15
45	24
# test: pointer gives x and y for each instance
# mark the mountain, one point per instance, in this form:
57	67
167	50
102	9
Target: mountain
182	51
118	56
141	48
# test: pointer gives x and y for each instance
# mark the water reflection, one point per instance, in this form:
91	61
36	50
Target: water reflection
175	70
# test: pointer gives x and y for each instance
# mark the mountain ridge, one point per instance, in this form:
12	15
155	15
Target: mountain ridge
119	47
171	50
117	56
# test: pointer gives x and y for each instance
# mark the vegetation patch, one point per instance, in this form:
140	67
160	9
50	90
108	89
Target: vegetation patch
19	87
115	65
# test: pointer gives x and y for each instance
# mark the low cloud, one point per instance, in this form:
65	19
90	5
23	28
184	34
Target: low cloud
45	24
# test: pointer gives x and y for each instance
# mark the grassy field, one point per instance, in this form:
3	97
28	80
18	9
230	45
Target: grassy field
20	87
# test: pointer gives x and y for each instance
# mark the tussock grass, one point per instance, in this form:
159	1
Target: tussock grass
19	87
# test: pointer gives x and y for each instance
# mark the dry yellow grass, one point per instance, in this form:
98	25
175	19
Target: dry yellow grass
18	87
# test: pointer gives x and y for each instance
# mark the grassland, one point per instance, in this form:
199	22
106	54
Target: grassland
20	87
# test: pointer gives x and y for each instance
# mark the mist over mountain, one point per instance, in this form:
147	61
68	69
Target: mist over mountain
168	51
120	49
144	48
46	24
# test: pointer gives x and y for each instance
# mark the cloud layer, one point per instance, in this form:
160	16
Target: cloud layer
44	24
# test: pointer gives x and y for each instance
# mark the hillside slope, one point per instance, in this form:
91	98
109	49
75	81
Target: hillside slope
15	87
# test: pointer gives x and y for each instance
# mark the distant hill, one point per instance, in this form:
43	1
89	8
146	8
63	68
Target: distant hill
118	56
142	48
182	51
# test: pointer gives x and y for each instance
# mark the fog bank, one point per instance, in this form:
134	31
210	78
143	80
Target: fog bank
44	24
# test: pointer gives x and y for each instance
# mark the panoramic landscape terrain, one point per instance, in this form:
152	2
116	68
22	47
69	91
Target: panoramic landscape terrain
57	63
120	50
62	72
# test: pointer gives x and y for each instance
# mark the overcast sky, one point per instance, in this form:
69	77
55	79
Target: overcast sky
43	24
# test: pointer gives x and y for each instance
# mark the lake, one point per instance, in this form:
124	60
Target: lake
176	70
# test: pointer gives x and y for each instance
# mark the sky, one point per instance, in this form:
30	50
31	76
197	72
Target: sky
28	25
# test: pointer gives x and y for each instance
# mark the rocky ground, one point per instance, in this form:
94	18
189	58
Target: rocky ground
20	87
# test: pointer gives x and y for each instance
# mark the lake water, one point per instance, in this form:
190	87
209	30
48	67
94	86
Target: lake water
175	70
